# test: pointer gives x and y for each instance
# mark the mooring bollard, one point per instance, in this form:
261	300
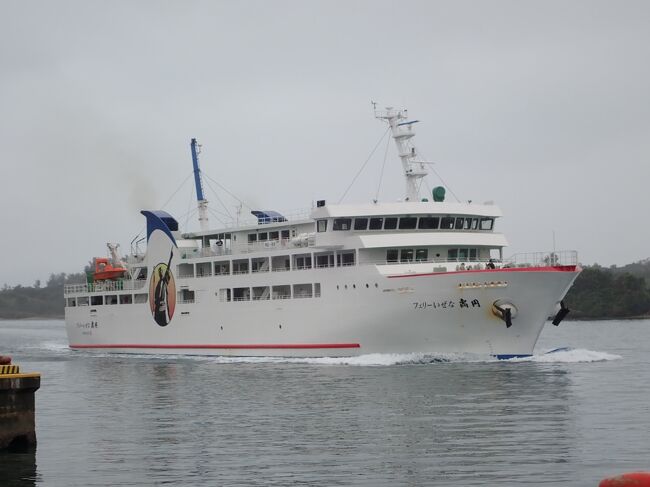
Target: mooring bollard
17	424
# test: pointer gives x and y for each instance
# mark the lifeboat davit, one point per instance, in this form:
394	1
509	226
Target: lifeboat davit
105	271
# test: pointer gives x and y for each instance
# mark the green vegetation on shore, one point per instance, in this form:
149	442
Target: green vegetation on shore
598	293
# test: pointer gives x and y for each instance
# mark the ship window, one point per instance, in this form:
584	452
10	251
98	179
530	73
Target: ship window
459	223
390	223
261	293
274	235
446	223
302	261
262	236
285	233
203	269
342	224
345	259
462	254
486	223
281	263
112	299
252	237
141	298
429	223
185	270
474	223
126	298
360	223
322	225
376	223
302	291
260	264
185	296
421	254
467	224
391	255
72	302
240	266
472	254
83	300
452	254
221	268
241	294
324	260
281	292
407	222
224	295
96	300
406	255
317	290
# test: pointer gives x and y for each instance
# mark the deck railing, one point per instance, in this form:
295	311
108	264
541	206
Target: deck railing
102	286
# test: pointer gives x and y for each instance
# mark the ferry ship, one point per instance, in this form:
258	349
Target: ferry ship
420	275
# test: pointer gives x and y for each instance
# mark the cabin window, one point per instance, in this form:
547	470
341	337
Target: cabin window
285	233
185	296
112	299
452	254
459	223
252	237
322	225
302	261
83	300
203	269
345	258
281	292
260	264
261	293
221	268
274	235
376	223
141	298
462	254
406	255
390	223
360	223
447	223
324	260
126	298
241	294
407	222
281	263
342	224
472	254
317	290
96	300
486	223
302	290
467	224
224	295
262	236
421	254
474	223
392	255
185	270
240	266
72	302
429	223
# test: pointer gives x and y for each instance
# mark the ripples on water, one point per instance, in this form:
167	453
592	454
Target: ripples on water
565	418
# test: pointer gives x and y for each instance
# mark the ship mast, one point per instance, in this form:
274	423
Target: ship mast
414	169
202	202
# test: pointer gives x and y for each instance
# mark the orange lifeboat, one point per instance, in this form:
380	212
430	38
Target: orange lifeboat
105	271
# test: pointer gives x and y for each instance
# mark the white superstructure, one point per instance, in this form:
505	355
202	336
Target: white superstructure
411	276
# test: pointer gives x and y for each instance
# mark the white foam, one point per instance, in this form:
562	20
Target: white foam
569	356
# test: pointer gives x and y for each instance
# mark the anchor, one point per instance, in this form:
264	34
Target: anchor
561	314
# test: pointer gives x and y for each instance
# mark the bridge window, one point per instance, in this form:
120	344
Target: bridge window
391	255
407	222
429	223
487	223
376	223
342	224
360	223
390	223
322	225
447	223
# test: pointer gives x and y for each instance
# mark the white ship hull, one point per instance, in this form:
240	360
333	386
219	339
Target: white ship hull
392	314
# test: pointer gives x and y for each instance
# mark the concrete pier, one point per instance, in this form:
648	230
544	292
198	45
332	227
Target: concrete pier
17	424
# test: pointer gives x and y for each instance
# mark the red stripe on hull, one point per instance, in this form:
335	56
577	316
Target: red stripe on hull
560	268
227	346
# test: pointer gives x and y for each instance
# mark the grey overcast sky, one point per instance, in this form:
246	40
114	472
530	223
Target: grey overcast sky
541	106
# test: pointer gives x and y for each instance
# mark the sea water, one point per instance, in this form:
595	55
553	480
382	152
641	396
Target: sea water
566	418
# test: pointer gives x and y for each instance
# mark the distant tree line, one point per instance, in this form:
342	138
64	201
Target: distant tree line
614	292
598	293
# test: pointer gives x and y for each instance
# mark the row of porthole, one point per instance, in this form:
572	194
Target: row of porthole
483	284
354	286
